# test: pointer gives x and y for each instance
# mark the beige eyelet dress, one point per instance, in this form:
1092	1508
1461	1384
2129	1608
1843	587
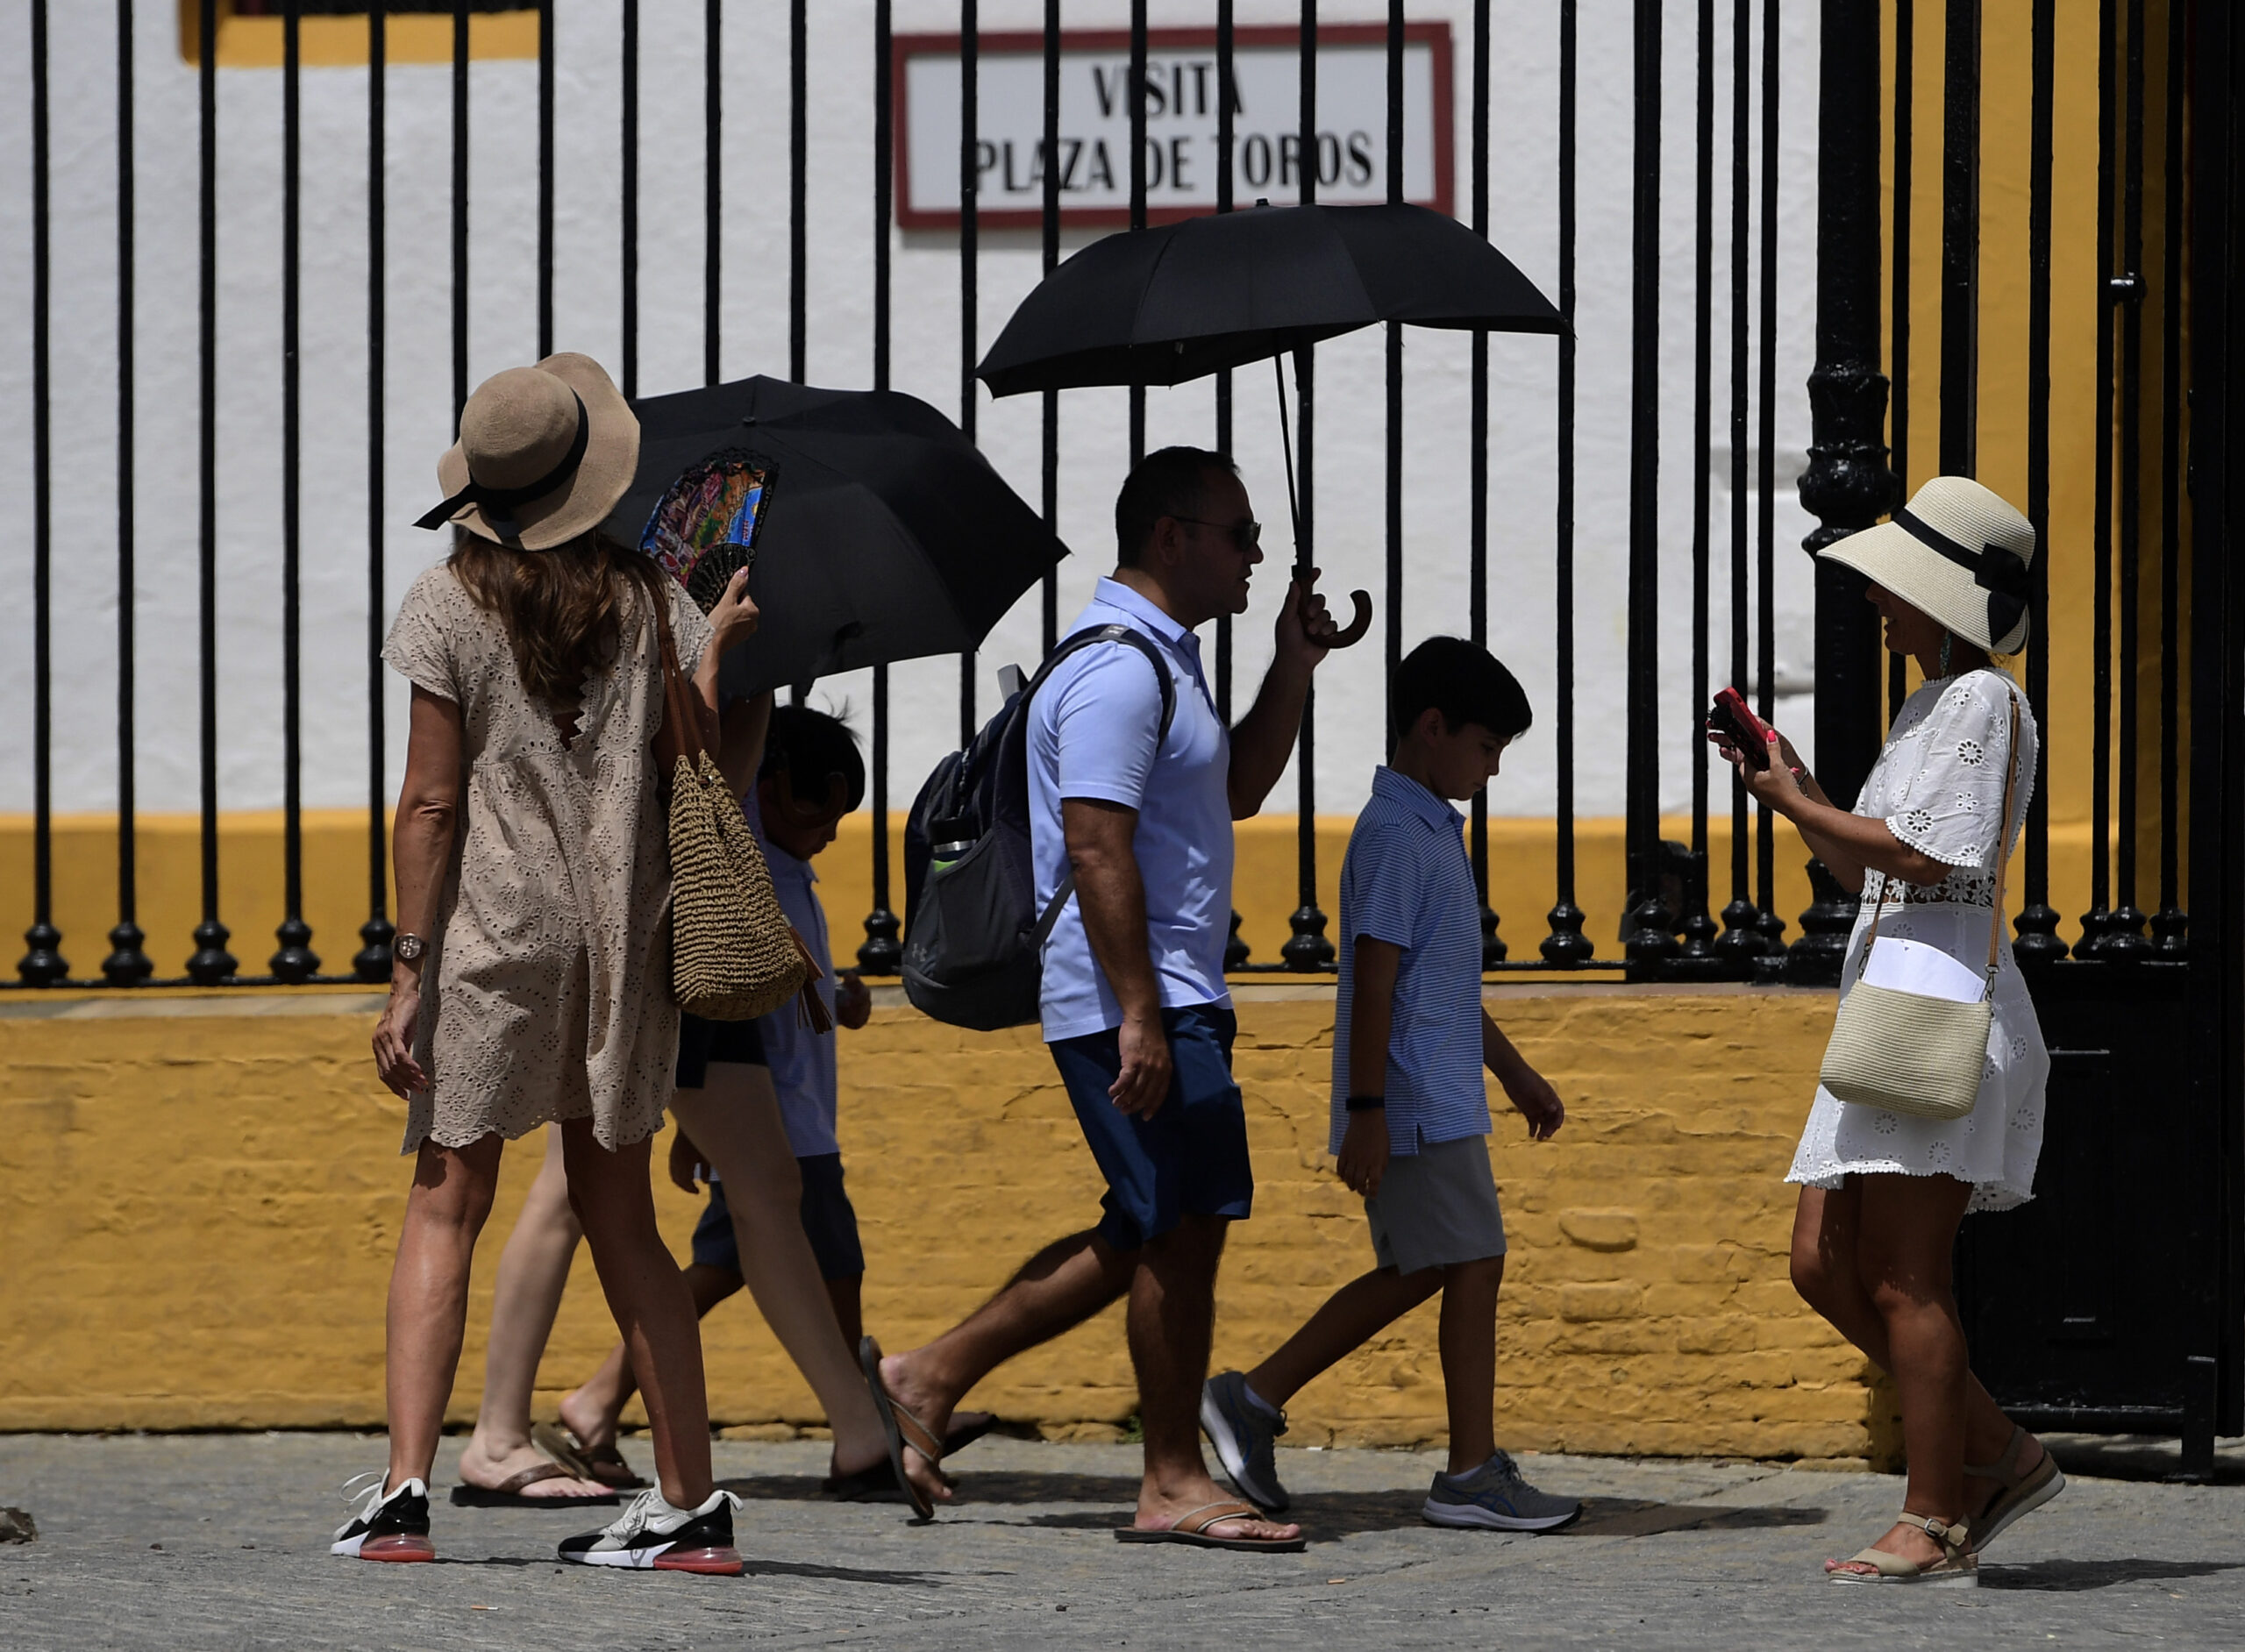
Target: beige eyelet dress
1938	785
547	995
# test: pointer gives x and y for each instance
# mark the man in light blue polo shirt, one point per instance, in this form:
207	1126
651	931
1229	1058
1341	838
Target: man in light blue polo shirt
1134	1003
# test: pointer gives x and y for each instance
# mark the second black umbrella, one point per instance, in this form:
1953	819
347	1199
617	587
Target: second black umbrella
886	535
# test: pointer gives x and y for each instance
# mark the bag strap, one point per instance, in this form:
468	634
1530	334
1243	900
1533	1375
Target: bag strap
2003	838
680	733
1051	916
2003	855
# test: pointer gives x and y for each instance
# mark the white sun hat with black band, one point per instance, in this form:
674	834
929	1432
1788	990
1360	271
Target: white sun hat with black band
545	453
1957	553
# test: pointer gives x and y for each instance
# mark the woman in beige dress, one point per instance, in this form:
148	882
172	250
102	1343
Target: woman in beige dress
532	979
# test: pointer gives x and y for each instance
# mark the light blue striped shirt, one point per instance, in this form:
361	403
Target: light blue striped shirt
1407	880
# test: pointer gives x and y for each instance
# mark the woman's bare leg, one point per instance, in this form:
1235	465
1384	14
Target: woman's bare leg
533	1272
594	1411
428	1296
1826	1273
1904	1246
616	1204
735	1120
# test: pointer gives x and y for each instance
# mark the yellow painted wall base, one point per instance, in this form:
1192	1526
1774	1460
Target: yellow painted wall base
201	1199
1523	864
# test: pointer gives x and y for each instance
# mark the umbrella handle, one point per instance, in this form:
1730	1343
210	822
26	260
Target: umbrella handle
1357	626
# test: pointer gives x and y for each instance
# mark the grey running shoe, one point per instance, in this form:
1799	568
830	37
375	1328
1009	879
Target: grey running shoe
1244	1433
1495	1497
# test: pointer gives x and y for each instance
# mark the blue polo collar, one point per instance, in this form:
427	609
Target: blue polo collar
1398	788
1114	594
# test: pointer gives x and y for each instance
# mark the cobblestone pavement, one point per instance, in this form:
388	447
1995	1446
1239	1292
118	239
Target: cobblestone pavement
219	1540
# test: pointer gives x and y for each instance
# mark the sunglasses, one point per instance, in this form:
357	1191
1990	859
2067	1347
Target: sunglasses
1244	536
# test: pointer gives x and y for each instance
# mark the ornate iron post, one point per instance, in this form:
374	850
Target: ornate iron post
1848	485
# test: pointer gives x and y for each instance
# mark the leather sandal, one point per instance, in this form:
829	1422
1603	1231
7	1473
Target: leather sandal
1957	1568
2022	1493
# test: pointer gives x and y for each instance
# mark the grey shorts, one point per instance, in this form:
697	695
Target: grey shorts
1436	1206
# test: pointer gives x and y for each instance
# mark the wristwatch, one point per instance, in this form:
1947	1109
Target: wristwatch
407	948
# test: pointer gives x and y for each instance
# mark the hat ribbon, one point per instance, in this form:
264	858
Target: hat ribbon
2002	576
499	504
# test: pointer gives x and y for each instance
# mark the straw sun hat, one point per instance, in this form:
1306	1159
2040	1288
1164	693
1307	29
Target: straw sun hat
1957	553
545	453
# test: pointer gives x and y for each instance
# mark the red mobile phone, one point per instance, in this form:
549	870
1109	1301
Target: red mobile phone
1730	714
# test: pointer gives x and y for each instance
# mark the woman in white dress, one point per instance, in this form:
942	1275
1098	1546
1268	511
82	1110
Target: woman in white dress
1882	1193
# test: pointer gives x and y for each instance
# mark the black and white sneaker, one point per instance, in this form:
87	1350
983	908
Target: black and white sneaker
389	1525
651	1534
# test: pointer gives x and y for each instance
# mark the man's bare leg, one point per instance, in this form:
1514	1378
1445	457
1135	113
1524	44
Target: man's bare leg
1056	1290
1173	1314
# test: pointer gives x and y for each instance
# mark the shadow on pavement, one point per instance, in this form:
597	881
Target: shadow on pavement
1000	1487
843	1574
1321	1513
2078	1576
1631	1517
2138	1457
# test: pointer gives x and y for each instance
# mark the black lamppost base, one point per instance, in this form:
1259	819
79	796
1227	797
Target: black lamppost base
43	965
1306	949
295	962
127	964
211	963
371	963
882	952
1815	959
1567	947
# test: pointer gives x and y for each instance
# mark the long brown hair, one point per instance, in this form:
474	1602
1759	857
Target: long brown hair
562	609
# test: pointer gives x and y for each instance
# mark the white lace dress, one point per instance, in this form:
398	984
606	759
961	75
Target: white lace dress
1938	785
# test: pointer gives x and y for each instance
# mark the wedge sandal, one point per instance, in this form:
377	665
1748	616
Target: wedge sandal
2022	1493
1957	1568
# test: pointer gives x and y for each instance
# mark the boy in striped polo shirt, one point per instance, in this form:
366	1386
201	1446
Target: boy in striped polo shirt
1410	1107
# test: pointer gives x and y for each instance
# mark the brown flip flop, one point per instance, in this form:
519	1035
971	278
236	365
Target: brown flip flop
1191	1529
893	1421
604	1465
510	1493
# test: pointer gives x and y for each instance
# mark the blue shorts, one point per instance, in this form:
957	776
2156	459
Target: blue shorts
1190	1159
829	1221
703	1042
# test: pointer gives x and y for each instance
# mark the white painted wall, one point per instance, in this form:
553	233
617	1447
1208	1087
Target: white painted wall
1093	443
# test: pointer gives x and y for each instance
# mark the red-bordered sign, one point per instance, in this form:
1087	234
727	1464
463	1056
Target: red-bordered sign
1181	115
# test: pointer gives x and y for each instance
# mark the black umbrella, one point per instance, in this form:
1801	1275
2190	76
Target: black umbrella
886	535
1161	306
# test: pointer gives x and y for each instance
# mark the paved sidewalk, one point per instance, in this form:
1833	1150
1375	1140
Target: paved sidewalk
219	1540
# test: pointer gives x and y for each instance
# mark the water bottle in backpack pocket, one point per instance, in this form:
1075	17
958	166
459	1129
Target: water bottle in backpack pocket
974	938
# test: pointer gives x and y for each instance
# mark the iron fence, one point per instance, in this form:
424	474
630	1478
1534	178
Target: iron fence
1864	304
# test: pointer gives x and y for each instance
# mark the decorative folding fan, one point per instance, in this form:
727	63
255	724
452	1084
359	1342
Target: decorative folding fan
706	524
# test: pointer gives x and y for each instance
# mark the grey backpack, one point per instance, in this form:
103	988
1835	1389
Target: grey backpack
973	939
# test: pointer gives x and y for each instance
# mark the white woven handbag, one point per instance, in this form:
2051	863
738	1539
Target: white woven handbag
1913	1052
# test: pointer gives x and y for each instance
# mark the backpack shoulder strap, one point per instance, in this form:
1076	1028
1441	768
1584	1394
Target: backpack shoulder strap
1123	634
1074	644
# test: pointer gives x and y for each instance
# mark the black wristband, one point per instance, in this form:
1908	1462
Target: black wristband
1367	1103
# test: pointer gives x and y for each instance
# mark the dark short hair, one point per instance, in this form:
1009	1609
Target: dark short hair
813	747
1170	482
1464	681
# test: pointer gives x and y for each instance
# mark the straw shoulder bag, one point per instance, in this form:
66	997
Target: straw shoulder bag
1912	1052
734	956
